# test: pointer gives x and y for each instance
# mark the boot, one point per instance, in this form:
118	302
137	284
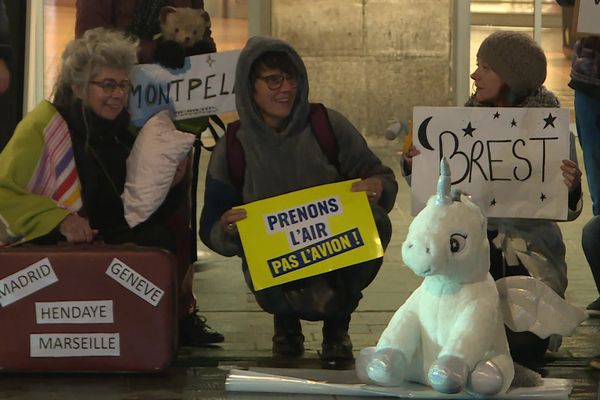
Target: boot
337	345
288	339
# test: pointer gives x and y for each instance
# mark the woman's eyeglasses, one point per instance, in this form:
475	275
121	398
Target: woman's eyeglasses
109	86
275	81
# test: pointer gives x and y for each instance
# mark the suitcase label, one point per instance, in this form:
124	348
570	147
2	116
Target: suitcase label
26	281
136	283
74	312
74	344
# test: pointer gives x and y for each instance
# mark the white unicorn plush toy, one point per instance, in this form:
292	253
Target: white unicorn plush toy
450	334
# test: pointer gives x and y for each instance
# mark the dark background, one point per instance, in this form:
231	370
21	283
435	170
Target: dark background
11	102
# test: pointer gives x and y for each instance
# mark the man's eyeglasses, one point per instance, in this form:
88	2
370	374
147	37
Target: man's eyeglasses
275	81
110	85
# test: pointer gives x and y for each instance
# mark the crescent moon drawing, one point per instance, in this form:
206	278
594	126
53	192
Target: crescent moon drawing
423	134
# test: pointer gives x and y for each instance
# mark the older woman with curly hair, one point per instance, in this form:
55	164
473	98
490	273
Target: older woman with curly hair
64	169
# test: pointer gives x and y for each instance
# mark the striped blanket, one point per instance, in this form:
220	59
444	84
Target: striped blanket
39	185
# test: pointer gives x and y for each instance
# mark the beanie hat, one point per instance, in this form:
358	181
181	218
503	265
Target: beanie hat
517	59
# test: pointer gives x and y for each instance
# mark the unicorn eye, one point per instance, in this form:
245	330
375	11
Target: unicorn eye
457	242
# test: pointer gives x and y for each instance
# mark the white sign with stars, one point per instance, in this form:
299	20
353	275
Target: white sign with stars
203	86
507	159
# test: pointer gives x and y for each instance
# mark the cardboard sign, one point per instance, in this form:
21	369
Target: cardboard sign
587	17
307	233
507	159
203	86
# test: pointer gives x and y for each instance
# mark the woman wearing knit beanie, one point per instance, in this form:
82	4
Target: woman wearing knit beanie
511	69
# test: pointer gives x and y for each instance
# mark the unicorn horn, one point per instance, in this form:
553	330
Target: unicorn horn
443	187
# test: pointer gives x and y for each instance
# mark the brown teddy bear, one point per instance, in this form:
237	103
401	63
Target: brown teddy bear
184	32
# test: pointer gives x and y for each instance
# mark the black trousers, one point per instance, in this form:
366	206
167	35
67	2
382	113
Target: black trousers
589	241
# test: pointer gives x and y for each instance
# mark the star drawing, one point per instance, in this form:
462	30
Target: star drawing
513	123
543	197
493	202
549	121
469	130
496	115
210	61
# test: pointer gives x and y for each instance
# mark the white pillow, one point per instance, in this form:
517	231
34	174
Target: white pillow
151	165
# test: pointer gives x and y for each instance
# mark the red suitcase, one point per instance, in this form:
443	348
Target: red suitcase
87	308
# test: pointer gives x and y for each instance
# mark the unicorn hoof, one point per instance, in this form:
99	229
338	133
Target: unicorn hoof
448	374
364	357
486	379
386	367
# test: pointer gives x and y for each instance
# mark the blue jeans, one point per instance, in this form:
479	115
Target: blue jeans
587	118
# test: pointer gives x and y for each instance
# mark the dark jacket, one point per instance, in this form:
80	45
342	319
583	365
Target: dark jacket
100	153
585	70
5	47
119	14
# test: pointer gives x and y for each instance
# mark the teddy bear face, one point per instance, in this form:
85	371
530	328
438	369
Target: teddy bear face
183	25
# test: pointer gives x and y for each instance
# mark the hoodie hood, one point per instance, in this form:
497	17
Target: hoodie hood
246	108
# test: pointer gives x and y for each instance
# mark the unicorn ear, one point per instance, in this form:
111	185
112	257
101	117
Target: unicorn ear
443	187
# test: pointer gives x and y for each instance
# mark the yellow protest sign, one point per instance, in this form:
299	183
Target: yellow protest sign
307	233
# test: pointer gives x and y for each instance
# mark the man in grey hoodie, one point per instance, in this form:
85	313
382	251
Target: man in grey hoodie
282	155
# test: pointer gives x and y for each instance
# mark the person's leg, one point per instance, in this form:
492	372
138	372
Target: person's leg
587	119
349	283
337	345
589	241
288	339
193	328
590	238
524	346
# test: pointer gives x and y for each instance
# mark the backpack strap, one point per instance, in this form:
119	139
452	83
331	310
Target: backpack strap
321	127
236	161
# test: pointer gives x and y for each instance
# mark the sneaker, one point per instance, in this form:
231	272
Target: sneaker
595	362
593	309
288	339
195	332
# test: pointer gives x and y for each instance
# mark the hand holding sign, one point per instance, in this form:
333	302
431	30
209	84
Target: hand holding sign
373	186
408	157
571	173
230	218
